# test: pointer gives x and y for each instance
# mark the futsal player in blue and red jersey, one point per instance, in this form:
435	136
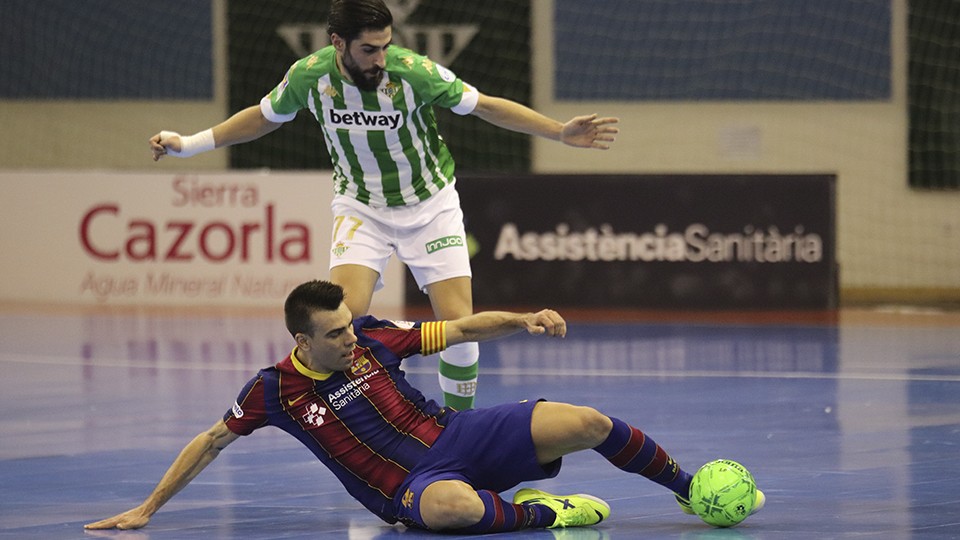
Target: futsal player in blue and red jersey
342	394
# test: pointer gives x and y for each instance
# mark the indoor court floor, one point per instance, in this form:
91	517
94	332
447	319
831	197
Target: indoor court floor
849	422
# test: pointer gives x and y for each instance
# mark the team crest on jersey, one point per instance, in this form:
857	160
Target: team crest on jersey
390	89
361	366
314	415
339	249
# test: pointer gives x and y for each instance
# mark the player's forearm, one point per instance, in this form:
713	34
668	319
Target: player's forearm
516	117
483	326
244	126
194	457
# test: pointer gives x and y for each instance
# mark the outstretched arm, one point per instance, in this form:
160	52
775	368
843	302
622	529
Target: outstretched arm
493	324
247	125
582	131
196	455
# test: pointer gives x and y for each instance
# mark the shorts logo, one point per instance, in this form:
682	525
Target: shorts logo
339	249
445	242
407	500
237	411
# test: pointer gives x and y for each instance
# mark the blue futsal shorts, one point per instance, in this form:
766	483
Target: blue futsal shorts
488	449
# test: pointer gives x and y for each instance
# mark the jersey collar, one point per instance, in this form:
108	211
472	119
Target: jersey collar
305	371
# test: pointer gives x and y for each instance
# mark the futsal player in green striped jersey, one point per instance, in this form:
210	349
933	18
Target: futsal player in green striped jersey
393	175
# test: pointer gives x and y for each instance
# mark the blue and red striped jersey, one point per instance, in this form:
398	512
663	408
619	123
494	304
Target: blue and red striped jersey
368	425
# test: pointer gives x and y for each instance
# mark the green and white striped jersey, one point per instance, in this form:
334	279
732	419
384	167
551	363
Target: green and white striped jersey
384	144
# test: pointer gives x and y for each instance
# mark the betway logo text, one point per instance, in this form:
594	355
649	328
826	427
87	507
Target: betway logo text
697	243
364	120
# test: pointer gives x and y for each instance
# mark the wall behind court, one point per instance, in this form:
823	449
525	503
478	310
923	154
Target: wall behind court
893	243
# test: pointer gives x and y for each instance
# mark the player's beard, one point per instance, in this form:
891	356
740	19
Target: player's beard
368	80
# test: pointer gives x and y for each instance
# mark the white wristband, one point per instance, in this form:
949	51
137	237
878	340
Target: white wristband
191	145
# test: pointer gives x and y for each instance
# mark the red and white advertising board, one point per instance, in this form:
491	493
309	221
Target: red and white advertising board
224	239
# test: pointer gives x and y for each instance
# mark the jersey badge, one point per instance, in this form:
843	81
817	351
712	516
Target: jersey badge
314	415
237	411
390	89
312	60
282	86
361	366
339	249
446	74
407	61
428	65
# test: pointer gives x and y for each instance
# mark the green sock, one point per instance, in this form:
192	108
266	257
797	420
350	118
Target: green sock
459	384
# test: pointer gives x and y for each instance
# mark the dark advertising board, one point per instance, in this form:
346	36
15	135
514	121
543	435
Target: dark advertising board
651	241
484	42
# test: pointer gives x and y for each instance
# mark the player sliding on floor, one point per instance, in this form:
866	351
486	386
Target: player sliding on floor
393	175
341	393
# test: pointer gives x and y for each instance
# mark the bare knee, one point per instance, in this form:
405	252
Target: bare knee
596	426
450	504
560	428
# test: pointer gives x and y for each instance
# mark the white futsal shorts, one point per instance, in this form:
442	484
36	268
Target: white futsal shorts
428	237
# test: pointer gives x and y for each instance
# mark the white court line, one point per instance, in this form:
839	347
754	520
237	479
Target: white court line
68	361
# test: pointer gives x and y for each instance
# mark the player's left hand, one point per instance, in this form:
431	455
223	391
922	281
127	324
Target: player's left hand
163	142
589	132
547	322
135	518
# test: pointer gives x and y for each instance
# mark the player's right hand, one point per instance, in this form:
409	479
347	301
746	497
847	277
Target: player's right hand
134	518
162	141
545	322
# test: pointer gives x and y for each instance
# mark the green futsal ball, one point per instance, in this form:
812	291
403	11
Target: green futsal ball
723	493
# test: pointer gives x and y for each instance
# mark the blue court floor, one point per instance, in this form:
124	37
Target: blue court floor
850	425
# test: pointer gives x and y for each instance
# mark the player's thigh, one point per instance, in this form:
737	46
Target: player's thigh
358	284
358	237
361	246
559	429
435	249
451	298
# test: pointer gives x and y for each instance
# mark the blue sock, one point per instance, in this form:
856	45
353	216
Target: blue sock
629	449
502	516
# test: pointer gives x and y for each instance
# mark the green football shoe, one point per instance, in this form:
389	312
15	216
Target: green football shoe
578	510
684	505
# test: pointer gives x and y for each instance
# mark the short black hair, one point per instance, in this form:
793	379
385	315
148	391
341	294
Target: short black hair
349	18
307	298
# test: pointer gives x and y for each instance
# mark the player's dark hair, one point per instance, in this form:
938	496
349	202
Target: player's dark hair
349	18
308	297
